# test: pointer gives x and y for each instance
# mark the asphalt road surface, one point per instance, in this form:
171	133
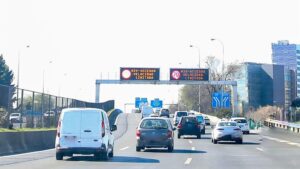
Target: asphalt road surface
268	149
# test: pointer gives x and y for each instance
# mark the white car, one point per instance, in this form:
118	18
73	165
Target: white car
84	131
242	123
15	117
146	111
227	131
178	115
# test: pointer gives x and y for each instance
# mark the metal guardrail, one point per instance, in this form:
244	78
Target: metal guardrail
283	124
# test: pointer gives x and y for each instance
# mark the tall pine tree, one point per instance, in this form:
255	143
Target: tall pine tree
6	87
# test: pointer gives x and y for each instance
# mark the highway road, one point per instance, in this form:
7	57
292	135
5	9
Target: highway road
270	149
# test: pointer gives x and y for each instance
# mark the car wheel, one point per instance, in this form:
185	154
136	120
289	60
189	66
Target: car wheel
199	136
105	155
170	148
178	136
59	156
138	149
215	141
111	154
239	141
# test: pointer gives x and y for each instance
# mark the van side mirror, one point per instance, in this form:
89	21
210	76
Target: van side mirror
113	127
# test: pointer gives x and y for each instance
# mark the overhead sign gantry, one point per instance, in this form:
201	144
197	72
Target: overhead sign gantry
178	76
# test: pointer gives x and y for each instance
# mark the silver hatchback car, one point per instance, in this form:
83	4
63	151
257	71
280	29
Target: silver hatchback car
227	131
155	132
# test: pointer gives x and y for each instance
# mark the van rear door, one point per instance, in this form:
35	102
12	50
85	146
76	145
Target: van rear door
91	129
70	129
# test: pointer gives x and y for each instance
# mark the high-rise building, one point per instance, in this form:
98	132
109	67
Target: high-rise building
298	70
260	85
284	53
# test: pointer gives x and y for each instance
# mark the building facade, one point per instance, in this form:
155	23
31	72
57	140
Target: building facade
260	85
284	53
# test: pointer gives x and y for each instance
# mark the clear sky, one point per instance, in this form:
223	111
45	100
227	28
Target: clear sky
76	42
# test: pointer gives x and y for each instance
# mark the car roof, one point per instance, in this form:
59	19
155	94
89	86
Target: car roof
234	118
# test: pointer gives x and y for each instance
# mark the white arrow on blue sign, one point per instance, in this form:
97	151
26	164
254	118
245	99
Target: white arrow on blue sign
218	101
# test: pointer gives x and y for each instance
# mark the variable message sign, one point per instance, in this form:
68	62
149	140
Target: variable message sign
189	74
128	73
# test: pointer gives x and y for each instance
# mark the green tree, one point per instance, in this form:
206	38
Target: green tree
7	88
6	91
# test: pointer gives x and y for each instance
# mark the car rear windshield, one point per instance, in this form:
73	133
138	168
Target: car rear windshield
200	119
240	120
180	114
227	124
165	111
154	124
188	120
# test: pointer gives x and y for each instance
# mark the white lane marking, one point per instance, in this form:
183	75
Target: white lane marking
190	141
293	144
122	149
282	141
260	149
35	152
193	148
188	161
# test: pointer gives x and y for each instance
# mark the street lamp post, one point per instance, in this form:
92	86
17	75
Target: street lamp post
222	76
199	68
18	77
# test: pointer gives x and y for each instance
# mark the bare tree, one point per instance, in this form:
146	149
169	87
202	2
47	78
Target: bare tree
263	113
189	93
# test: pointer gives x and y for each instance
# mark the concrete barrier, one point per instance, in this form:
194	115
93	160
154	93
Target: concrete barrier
21	142
283	124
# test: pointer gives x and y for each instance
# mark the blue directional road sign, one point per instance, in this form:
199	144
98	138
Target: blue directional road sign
139	101
156	103
218	101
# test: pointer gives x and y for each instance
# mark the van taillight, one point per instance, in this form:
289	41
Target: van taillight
138	133
169	134
58	129
103	128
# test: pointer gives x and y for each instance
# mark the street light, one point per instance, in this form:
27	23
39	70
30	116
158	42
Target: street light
49	62
222	76
193	46
18	77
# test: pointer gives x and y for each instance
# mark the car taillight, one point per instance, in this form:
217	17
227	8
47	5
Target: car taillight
220	129
138	133
237	129
169	134
58	129
179	126
103	128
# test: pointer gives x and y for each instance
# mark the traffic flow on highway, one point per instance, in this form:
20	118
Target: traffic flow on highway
154	142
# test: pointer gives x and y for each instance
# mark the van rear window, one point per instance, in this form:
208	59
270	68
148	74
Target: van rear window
180	114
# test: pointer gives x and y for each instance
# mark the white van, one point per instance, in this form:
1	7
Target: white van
146	111
84	131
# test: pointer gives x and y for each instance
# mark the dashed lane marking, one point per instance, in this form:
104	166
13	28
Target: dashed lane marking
122	149
188	161
260	149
